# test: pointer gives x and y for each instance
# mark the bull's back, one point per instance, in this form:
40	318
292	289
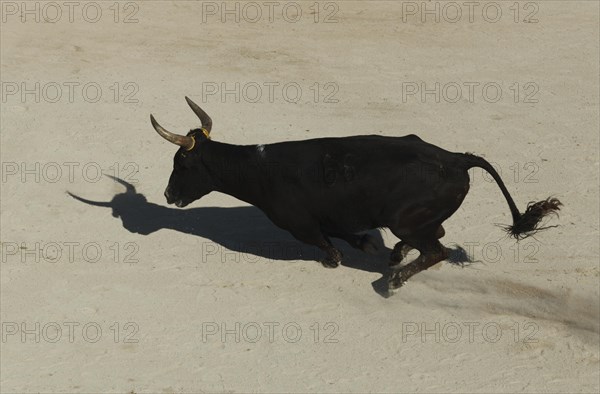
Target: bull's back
357	183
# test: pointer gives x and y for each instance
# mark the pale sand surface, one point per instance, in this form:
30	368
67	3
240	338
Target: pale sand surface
524	318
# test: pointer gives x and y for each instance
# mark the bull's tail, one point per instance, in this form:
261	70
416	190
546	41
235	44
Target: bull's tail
524	224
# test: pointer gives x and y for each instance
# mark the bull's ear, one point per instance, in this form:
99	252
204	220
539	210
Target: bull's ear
198	133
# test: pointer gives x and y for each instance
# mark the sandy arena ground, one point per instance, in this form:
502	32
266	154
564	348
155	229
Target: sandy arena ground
145	297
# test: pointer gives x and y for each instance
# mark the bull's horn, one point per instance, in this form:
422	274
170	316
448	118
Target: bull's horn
204	118
181	140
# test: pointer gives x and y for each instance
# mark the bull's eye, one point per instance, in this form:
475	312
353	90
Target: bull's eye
183	162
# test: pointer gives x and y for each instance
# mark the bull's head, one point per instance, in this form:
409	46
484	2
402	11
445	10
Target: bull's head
190	179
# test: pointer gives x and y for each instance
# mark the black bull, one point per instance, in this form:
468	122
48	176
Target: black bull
339	187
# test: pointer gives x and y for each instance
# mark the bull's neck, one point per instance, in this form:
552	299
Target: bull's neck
231	168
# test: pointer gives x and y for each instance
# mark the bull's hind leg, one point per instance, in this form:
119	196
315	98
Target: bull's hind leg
399	253
432	252
401	249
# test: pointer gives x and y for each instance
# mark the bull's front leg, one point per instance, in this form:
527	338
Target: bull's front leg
333	256
309	231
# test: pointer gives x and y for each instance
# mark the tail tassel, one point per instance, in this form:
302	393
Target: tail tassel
528	222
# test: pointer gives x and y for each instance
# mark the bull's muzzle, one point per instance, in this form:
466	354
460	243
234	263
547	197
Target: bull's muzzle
169	196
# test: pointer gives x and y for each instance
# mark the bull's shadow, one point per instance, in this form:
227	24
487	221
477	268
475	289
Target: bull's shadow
241	229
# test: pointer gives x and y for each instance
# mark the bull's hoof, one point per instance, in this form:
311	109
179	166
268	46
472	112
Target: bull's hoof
395	259
368	244
332	258
328	263
395	282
